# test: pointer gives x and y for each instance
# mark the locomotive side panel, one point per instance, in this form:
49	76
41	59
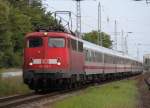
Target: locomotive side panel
76	58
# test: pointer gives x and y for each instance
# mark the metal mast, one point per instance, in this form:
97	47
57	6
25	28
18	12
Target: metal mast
100	40
78	19
126	44
115	30
122	41
138	53
78	22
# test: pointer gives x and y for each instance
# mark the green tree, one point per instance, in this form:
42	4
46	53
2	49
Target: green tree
5	36
93	37
17	18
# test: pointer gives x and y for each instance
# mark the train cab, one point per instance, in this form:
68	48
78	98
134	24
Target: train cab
45	56
51	56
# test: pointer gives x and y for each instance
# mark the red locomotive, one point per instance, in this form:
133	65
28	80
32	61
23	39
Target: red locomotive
60	59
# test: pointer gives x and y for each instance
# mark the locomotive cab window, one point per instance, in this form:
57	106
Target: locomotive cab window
34	42
56	42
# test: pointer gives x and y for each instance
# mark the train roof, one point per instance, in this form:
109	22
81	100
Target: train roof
106	50
47	34
101	49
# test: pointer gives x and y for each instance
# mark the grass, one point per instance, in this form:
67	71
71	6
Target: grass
9	69
12	86
121	94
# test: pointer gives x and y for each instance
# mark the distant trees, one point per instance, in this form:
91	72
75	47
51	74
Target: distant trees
93	37
16	19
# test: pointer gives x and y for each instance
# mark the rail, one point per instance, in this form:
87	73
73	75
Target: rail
14	101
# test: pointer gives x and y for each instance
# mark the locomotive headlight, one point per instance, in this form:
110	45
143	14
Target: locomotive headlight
45	33
30	63
58	63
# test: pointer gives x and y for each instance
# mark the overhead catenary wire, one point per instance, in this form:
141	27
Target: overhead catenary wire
90	26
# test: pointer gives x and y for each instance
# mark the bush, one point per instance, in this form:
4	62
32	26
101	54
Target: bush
12	86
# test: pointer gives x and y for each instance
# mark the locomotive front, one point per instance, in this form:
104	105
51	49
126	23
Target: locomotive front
45	59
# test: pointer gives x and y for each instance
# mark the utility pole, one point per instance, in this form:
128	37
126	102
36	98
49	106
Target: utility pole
115	31
78	17
78	20
122	41
138	51
99	39
126	44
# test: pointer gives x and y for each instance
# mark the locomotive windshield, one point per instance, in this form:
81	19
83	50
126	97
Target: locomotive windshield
34	42
56	42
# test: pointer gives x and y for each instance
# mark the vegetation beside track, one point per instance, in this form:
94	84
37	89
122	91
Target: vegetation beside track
9	69
12	86
18	17
120	94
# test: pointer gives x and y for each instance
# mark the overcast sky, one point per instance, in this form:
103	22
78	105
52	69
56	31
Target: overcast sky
131	17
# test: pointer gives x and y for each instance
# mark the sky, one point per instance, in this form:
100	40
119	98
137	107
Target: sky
133	18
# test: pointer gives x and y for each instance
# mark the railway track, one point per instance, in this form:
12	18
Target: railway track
15	97
10	102
13	101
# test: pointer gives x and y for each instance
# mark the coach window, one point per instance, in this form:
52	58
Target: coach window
99	56
146	61
80	46
34	42
117	59
96	56
114	59
69	43
56	42
85	51
74	44
89	55
110	59
92	55
105	57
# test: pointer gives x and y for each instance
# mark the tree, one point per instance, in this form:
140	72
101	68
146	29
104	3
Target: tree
17	18
5	36
93	37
